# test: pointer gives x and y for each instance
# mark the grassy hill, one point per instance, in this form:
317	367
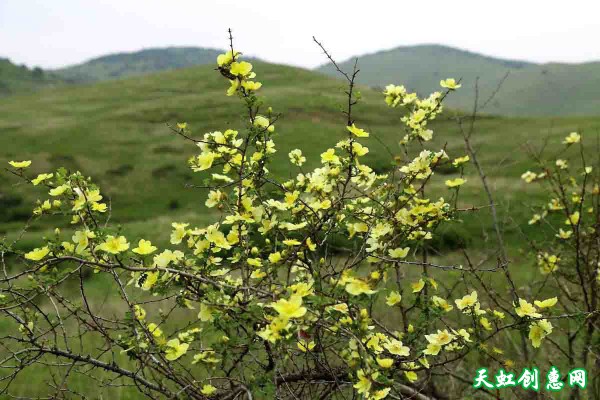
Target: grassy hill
141	62
116	132
18	78
530	89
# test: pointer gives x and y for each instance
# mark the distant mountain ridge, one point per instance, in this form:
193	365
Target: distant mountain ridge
441	49
530	89
120	65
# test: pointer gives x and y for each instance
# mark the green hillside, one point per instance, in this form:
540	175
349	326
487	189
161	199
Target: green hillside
530	89
116	132
18	78
141	62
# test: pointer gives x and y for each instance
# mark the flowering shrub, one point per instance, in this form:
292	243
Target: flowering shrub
314	287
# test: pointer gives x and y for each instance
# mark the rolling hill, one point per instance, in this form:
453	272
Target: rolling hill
141	62
18	78
115	131
552	89
530	89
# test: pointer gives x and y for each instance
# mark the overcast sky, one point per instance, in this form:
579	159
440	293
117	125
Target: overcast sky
54	33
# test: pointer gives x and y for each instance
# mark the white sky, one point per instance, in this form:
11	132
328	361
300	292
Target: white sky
54	33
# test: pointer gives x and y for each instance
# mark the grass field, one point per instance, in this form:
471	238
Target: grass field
116	132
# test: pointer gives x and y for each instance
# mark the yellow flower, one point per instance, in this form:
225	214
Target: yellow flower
100	207
573	137
393	298
380	394
214	197
263	122
564	234
526	309
296	157
179	232
441	303
223	59
538	331
330	157
411	376
37	254
274	258
357	131
139	312
455	182
291	308
20	164
175	349
440	338
450	83
432	349
258	274
363	386
242	68
154	330
251	86
205	160
358	149
41	178
165	258
417	286
573	219
235	84
528	176
399	252
466	336
57	191
150	280
385	362
394	94
397	348
207	390
82	239
562	164
356	287
114	245
460	160
341	307
485	323
546	303
302	289
467	301
144	247
255	262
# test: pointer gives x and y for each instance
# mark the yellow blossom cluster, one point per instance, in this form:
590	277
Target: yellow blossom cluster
269	277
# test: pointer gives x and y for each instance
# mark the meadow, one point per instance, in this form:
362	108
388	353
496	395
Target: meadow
118	132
